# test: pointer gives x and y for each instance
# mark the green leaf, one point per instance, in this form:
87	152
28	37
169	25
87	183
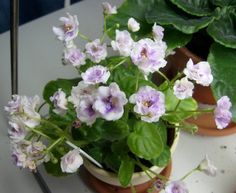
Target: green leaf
223	3
174	38
130	8
164	14
54	85
223	67
126	171
96	153
194	7
115	130
145	141
184	108
223	29
112	161
163	159
120	147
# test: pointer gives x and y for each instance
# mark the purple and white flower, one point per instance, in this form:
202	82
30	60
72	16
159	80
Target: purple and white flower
123	42
24	109
148	55
71	161
222	112
183	88
96	51
207	167
85	111
149	103
28	154
82	91
158	32
110	102
69	28
16	132
96	74
59	101
74	57
133	25
176	187
108	9
200	72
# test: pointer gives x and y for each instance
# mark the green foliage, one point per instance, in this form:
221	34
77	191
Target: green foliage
163	159
224	82
145	141
126	171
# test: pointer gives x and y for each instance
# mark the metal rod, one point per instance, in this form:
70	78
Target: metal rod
14	71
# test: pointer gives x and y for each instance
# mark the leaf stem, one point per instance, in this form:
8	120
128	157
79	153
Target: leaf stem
117	65
40	107
164	76
55	143
176	107
189	173
84	37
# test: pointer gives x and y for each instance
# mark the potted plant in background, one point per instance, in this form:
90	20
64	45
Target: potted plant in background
207	29
112	114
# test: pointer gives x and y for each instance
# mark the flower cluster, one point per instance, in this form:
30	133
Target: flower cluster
112	107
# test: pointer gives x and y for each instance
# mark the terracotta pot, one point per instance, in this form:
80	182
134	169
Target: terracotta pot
139	179
203	95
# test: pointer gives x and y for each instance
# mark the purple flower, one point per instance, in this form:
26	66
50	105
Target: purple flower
149	103
133	25
207	167
108	9
110	102
200	72
16	132
123	43
222	112
158	32
159	185
14	104
59	101
176	187
82	91
148	55
85	111
96	74
68	30
74	56
183	88
96	51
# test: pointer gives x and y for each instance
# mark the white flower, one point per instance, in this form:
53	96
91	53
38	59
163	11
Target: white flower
148	55
207	167
123	43
133	25
158	32
74	56
96	51
108	9
71	161
59	101
200	72
16	131
183	88
110	102
96	74
81	91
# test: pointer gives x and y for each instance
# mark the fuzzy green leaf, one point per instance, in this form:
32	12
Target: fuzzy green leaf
164	14
145	141
194	7
126	171
163	159
223	65
223	30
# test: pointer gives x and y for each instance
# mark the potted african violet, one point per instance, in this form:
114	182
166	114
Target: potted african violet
207	29
112	117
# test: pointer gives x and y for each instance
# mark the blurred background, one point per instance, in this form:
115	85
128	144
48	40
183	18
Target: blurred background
29	10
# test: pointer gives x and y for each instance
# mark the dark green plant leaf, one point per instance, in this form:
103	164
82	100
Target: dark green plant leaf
115	130
126	171
163	159
52	86
223	30
163	13
145	141
120	147
223	3
112	161
130	8
223	67
194	7
96	153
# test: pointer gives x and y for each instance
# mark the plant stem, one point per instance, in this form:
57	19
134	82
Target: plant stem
40	107
39	132
176	77
137	80
164	76
84	37
189	173
197	111
176	107
55	143
117	65
132	188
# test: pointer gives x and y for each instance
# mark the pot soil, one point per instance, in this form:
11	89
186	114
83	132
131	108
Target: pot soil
103	181
203	95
